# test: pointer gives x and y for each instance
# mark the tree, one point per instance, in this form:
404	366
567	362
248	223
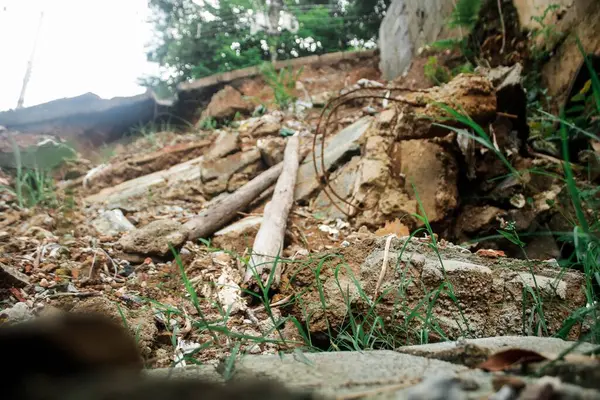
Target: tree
194	39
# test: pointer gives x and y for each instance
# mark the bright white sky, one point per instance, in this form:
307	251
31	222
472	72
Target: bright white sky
84	46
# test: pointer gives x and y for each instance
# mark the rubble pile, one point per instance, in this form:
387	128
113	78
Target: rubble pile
394	222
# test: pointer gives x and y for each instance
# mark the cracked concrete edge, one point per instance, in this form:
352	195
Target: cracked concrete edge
382	374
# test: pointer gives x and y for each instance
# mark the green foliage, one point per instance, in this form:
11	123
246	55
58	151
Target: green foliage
33	187
192	41
465	14
208	124
466	68
282	83
33	184
545	36
436	73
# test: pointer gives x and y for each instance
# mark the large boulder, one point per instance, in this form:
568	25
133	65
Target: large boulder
225	104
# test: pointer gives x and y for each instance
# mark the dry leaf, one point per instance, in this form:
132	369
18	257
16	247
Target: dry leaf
505	359
393	227
490	253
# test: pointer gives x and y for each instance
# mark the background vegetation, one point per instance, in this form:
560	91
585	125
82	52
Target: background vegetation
194	39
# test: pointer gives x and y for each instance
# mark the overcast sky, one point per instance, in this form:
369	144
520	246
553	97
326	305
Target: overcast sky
84	46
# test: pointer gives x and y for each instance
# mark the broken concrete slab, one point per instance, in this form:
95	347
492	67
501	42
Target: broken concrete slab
86	118
496	343
216	174
472	94
133	167
379	374
490	294
183	172
339	146
582	21
266	125
343	183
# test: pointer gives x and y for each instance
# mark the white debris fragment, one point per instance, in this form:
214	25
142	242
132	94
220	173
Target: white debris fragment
229	293
333	232
184	347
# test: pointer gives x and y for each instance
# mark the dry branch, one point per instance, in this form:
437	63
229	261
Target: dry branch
269	239
220	213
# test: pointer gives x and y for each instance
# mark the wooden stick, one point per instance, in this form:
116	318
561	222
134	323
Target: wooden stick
268	243
221	212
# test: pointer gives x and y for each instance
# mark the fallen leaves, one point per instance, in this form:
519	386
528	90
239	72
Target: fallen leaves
489	253
393	227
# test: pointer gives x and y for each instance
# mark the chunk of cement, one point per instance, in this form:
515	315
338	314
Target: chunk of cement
345	141
381	374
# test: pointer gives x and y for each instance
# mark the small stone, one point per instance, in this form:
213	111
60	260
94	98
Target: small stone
18	313
154	238
10	277
112	222
44	283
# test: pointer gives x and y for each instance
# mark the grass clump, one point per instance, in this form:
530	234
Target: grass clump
282	83
436	73
33	183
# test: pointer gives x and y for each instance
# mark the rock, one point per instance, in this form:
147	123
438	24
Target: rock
40	221
140	322
154	238
225	104
434	174
266	125
106	176
225	144
271	150
581	20
216	174
489	294
112	222
17	313
407	26
478	219
10	277
528	9
245	175
542	248
344	142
